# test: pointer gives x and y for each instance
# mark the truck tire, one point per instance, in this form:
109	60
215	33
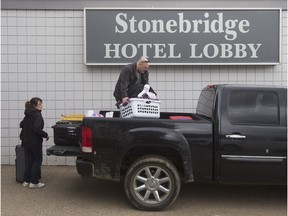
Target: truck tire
152	183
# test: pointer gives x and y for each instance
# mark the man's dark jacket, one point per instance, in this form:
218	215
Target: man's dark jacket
125	85
32	125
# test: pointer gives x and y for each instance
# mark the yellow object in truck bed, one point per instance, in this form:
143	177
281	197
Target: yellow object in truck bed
72	117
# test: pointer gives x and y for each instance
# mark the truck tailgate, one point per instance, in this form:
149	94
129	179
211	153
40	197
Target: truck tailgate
63	150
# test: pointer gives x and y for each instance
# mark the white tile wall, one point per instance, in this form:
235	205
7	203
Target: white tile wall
42	55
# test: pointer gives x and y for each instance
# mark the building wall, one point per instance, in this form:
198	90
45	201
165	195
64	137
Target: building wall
42	55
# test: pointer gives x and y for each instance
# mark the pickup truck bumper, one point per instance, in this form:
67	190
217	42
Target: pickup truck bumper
84	168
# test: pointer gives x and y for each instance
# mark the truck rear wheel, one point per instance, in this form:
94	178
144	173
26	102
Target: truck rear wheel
152	183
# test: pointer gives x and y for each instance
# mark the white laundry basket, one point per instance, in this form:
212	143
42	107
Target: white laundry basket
140	108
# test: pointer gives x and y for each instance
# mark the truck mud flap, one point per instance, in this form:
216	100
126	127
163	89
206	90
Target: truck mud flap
61	150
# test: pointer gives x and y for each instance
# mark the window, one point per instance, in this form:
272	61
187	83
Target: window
206	102
253	107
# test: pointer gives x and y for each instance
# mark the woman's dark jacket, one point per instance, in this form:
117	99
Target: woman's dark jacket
32	125
128	77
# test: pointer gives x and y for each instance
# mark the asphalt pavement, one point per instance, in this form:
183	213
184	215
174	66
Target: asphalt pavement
66	193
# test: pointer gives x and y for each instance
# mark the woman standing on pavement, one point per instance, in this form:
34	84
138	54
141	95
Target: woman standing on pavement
32	135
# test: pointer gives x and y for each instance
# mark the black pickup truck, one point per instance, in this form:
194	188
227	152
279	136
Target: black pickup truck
237	135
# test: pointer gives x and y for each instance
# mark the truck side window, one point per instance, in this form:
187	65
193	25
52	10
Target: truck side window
206	102
253	107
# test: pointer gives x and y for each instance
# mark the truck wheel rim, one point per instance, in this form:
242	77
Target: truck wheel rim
152	185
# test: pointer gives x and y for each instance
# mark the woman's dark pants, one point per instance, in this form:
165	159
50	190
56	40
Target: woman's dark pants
34	159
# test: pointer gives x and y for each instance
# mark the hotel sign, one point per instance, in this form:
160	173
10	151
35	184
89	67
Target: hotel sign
182	36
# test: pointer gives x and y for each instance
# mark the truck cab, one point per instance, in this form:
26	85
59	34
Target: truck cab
252	135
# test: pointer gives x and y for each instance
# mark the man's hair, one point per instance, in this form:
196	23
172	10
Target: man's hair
143	59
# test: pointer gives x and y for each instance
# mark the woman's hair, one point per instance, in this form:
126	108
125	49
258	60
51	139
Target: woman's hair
32	103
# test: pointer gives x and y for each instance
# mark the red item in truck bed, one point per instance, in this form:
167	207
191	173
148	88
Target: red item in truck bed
180	117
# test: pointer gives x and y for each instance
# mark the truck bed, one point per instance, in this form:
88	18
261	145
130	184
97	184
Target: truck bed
114	136
163	115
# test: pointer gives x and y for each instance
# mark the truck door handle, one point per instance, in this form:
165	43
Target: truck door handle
235	136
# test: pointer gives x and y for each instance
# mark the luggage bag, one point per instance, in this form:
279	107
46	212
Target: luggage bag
20	163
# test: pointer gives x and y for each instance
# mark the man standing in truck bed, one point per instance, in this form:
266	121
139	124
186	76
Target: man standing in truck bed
131	80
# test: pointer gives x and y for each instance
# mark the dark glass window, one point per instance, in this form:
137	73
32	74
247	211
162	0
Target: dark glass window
206	102
253	107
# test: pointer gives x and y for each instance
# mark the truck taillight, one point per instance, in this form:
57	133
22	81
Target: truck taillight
86	139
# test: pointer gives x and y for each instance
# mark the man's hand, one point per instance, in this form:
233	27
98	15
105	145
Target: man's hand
125	101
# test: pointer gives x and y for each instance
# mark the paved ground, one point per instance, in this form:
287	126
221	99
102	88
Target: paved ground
67	194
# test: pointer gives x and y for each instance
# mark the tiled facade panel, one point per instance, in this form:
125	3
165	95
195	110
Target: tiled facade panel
42	55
